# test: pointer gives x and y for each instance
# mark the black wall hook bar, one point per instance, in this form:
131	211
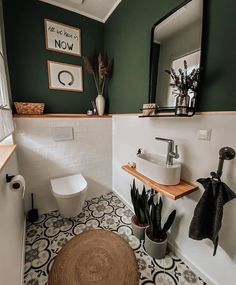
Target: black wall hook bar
226	153
9	178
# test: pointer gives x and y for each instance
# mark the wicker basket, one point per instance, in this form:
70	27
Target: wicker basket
23	108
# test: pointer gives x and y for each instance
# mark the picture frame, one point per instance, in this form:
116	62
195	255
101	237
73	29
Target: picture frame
64	76
62	38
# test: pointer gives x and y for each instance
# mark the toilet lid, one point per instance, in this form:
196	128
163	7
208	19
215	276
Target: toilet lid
69	186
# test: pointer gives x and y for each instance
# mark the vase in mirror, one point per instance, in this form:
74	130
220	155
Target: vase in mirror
182	105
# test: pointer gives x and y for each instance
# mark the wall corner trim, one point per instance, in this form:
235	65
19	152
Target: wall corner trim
123	200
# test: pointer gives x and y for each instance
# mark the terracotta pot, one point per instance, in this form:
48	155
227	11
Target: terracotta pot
139	231
154	249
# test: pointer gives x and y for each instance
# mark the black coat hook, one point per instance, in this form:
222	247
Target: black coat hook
9	178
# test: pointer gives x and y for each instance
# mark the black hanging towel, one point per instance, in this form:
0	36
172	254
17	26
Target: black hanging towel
207	218
208	214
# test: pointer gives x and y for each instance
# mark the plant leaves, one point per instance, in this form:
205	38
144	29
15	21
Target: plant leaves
184	81
168	223
139	203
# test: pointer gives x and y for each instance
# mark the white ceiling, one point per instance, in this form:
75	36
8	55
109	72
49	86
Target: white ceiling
99	10
183	17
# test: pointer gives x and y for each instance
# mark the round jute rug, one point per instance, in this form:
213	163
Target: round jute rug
95	257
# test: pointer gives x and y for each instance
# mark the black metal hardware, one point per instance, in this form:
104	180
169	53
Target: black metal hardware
9	178
139	151
33	214
226	153
166	112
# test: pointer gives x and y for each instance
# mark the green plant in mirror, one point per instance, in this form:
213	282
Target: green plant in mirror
186	80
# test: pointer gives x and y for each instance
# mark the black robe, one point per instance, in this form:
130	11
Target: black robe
207	218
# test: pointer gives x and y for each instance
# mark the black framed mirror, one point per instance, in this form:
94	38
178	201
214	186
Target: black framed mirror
177	40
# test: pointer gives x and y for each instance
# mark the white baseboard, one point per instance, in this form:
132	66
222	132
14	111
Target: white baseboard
23	252
180	254
123	200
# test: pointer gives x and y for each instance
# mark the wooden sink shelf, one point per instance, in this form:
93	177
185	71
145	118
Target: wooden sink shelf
172	191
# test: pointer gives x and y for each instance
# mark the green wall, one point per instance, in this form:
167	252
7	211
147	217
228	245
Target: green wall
27	55
127	38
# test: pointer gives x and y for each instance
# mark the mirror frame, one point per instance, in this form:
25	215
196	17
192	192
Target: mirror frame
152	89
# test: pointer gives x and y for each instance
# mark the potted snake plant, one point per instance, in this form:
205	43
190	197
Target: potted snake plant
156	234
139	220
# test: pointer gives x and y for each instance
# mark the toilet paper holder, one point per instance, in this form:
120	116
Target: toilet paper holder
9	178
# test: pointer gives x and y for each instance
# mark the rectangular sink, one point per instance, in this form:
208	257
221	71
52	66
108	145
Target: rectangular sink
154	167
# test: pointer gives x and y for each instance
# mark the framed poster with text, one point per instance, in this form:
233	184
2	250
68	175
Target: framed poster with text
62	38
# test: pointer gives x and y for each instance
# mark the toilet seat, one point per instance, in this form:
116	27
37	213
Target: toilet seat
69	186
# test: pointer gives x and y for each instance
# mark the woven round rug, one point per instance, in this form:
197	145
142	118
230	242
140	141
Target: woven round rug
95	257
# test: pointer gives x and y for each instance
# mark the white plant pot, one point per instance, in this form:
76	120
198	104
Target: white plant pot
100	104
138	231
155	249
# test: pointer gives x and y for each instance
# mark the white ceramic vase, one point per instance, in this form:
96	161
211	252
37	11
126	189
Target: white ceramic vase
100	104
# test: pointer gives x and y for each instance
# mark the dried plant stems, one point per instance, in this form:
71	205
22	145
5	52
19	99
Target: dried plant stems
98	65
185	81
95	80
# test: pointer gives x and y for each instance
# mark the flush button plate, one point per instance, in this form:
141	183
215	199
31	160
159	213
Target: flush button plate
63	134
204	135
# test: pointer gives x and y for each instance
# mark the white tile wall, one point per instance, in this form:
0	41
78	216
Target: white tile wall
12	229
41	158
198	159
102	146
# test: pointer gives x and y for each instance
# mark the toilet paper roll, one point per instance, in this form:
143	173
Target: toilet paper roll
18	184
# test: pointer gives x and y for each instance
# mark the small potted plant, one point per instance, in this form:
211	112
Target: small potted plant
101	69
184	82
140	204
156	235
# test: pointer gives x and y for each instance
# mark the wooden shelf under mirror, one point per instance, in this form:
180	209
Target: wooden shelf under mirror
172	191
164	115
167	112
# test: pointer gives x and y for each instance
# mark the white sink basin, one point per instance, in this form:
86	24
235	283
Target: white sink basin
154	167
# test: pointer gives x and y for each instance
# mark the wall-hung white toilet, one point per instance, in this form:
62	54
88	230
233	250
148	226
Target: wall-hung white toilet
70	194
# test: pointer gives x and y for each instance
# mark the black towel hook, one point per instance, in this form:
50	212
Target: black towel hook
9	178
226	153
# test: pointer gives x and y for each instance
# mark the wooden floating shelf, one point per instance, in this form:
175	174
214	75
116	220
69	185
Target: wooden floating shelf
6	152
172	191
64	116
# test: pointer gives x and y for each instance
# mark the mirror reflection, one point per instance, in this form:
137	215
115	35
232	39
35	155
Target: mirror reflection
176	38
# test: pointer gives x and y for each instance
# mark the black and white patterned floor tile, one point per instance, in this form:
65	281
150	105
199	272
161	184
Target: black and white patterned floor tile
50	233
